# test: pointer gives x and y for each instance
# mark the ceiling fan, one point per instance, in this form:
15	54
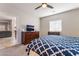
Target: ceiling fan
44	5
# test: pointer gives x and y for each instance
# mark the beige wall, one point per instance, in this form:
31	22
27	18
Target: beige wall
70	21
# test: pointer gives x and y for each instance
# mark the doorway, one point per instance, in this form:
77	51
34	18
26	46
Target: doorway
7	33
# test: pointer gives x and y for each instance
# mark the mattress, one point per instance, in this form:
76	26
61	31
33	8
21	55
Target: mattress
53	45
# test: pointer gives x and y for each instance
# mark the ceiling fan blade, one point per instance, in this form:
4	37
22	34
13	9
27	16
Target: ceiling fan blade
50	6
38	7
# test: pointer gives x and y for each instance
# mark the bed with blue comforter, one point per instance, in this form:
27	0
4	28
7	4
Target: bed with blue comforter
52	45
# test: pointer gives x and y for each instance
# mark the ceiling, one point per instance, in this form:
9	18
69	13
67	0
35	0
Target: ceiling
28	8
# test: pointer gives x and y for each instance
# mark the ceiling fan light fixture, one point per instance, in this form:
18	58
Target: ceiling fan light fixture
44	5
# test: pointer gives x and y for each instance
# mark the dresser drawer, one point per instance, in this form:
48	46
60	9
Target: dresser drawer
27	37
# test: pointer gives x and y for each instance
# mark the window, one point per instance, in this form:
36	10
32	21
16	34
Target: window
55	26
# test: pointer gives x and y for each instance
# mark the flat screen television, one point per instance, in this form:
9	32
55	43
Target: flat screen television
29	27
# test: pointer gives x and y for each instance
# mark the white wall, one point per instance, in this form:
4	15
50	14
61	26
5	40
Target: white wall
29	19
25	19
22	19
70	21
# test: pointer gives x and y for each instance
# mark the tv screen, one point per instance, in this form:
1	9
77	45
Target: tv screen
29	27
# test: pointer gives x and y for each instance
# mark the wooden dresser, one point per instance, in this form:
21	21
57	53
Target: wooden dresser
27	37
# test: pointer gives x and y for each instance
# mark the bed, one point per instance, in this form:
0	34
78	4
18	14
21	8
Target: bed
52	45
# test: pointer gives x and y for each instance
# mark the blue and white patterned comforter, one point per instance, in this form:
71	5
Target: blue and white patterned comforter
55	46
